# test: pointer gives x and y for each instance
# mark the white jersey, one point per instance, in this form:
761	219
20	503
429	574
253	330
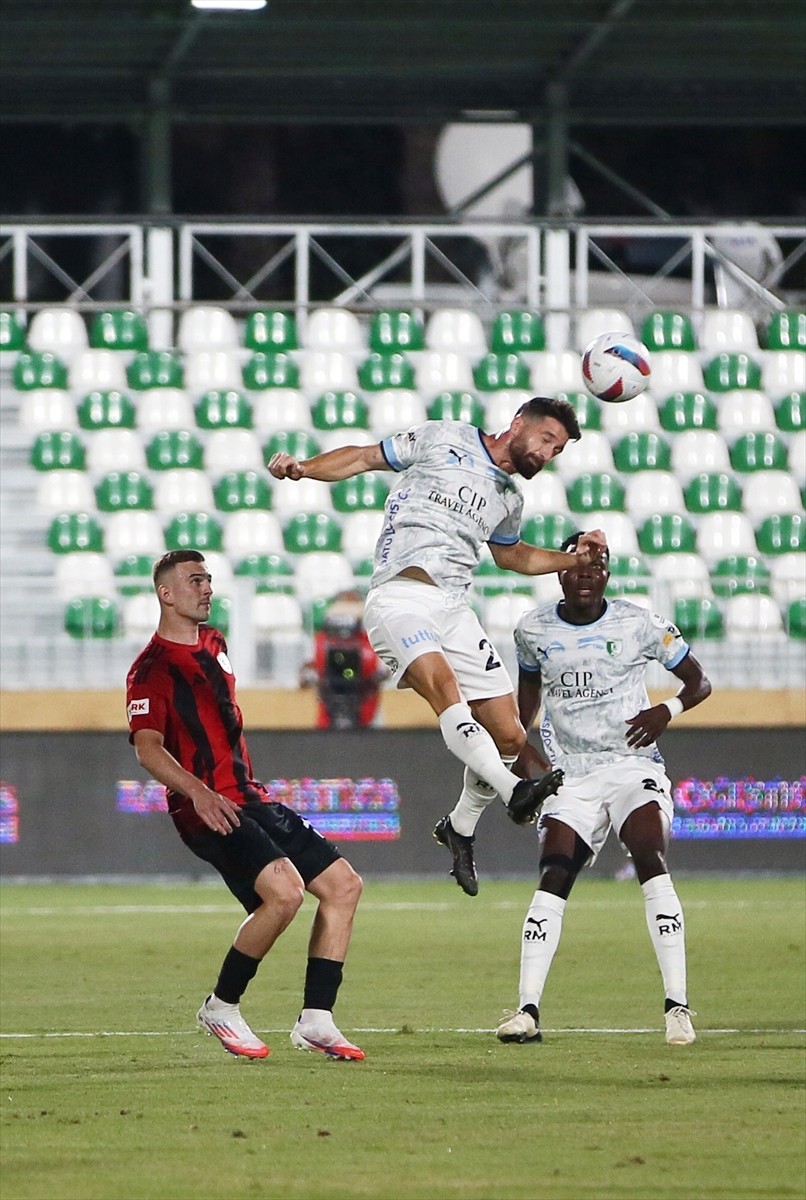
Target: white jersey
592	679
451	500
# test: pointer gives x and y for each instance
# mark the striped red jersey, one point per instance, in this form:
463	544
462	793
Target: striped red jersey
187	693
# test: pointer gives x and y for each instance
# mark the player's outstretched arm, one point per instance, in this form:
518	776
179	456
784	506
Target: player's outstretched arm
331	466
534	560
646	726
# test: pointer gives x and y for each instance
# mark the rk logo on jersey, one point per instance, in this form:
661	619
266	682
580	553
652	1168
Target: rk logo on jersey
137	708
614	648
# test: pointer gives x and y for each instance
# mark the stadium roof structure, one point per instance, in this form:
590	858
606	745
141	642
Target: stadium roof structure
604	61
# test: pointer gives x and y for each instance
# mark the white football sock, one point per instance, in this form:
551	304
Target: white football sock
475	797
471	743
541	937
664	918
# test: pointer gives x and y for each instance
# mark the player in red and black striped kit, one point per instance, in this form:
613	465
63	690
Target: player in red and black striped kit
187	732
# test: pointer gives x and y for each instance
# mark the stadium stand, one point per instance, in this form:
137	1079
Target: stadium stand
131	450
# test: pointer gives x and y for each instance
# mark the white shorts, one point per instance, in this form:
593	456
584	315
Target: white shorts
405	618
606	797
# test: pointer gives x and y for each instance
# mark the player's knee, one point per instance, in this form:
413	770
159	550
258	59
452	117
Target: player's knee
557	874
648	862
512	742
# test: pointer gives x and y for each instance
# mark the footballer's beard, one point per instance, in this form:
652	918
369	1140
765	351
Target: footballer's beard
526	467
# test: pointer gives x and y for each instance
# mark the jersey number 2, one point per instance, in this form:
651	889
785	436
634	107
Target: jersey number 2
492	661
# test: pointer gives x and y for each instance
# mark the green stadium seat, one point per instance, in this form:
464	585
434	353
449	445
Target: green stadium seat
781	533
491	580
271	573
124	489
667	533
271	330
274	370
665	330
38	369
224	410
396	331
172	448
595	493
220	614
297	442
644	451
755	451
92	617
627	585
688	410
12	331
361	493
786	331
790	412
457	406
194	531
58	450
242	489
516	331
547	530
626	566
729	372
740	573
339	410
501	372
307	532
698	617
119	329
155	369
381	371
795	618
586	407
106	410
72	532
136	568
712	492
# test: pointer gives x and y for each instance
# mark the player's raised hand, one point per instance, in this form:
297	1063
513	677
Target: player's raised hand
592	548
285	466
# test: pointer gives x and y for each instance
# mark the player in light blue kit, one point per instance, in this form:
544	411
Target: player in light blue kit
456	492
586	658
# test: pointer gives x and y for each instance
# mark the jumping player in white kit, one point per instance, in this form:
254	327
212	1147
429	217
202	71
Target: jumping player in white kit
585	659
456	492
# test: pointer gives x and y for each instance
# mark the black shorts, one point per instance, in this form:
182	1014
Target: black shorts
266	832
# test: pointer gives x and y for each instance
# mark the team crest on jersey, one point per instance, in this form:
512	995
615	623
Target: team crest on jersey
223	662
613	647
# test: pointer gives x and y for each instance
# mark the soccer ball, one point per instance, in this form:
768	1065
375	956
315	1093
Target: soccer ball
616	367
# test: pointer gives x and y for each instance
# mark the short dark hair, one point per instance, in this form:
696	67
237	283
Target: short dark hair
544	406
572	541
170	560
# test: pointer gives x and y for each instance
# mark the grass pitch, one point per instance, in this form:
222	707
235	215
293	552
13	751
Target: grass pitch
107	1091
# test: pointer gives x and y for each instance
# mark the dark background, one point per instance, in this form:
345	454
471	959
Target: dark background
69	824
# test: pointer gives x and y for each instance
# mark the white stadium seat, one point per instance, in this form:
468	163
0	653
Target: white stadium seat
325	370
65	491
596	321
768	492
543	493
393	410
456	329
592	453
84	574
133	532
650	492
500	407
252	531
47	409
280	409
212	369
632	416
743	412
182	490
164	408
333	329
696	451
115	450
320	574
60	330
723	533
207	327
727	329
784	371
233	450
102	370
674	371
556	371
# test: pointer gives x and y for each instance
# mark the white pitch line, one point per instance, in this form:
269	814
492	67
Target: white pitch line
113	910
272	1032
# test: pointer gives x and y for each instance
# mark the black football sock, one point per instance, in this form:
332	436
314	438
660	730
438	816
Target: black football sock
237	970
322	982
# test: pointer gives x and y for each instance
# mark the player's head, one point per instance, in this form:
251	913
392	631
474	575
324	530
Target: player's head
183	584
584	586
539	431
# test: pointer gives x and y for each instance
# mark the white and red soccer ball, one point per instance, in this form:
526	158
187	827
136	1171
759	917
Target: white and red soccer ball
616	367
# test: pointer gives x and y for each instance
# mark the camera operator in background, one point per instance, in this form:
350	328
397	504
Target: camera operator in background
345	670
